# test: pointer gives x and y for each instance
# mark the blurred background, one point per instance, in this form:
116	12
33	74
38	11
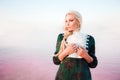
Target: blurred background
29	30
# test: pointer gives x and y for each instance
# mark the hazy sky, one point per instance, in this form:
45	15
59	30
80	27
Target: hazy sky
29	30
36	23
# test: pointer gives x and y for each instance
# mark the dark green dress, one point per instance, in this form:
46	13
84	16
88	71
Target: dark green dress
75	68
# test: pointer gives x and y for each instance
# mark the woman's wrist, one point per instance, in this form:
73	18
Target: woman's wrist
63	55
87	57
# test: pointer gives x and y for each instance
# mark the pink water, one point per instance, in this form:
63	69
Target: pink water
36	66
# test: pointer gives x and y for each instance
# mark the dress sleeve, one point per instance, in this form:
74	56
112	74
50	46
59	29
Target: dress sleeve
55	58
91	52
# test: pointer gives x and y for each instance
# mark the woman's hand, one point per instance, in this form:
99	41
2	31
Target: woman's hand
83	53
70	48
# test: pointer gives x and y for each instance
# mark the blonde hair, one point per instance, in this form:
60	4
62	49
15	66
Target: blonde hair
63	42
78	16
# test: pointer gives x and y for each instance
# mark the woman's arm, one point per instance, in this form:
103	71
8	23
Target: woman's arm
91	52
82	52
60	55
58	43
70	48
90	55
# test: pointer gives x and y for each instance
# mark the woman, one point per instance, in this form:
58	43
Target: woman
75	52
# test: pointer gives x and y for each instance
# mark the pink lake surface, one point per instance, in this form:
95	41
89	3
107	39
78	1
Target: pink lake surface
25	65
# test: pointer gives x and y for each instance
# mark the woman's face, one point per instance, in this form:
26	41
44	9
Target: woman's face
71	23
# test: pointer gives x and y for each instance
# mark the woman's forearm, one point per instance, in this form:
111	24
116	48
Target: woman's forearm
62	55
88	58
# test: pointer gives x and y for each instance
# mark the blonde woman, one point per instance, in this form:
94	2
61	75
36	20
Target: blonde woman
75	52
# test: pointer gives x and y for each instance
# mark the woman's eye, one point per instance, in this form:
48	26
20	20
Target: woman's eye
71	20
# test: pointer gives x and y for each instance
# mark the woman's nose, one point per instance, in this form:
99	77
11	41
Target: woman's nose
67	24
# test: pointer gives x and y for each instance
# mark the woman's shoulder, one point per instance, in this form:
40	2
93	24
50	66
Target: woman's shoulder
87	35
90	38
60	35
